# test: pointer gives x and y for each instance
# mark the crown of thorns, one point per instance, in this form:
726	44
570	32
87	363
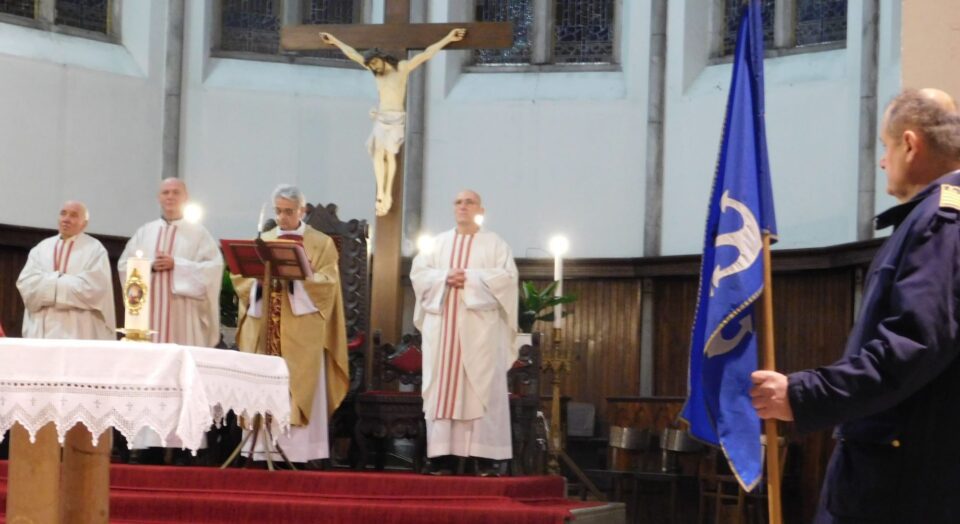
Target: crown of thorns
377	53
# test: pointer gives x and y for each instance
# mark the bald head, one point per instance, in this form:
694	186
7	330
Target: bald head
172	197
73	219
921	140
942	98
470	193
466	206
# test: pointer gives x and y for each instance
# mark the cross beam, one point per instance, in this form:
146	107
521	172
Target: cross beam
480	35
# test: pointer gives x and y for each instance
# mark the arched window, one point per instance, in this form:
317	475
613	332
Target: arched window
553	32
251	28
87	18
790	24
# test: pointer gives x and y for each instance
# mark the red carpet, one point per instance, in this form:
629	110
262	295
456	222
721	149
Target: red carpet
154	494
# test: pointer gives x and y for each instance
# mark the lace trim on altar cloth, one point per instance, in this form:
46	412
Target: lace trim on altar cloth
197	396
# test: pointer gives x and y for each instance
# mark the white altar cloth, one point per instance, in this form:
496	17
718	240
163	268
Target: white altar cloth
178	391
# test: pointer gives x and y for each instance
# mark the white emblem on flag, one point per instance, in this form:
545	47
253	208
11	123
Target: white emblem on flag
746	239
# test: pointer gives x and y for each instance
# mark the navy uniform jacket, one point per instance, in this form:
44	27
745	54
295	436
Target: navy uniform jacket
896	392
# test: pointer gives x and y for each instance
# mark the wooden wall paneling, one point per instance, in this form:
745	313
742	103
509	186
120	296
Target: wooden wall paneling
602	332
674	301
813	311
12	260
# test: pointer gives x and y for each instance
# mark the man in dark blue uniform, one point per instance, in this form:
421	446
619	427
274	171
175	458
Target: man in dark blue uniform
895	394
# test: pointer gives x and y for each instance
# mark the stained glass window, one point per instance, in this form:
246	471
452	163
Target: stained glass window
92	15
820	21
250	25
25	8
330	12
583	31
815	22
520	12
731	23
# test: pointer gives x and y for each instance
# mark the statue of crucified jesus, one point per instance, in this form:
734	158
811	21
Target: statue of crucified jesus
390	117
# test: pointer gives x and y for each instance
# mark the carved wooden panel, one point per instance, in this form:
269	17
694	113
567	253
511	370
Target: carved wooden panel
351	240
644	412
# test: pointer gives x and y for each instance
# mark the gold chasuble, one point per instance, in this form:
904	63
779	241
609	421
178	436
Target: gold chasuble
305	338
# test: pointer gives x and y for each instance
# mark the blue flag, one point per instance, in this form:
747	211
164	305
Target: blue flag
723	350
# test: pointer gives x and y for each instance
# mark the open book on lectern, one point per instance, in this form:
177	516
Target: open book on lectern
248	258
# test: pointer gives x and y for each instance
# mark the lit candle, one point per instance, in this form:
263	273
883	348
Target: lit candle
136	289
558	291
558	246
263	210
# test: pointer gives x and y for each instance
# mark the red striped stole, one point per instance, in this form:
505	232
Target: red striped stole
61	254
162	286
451	351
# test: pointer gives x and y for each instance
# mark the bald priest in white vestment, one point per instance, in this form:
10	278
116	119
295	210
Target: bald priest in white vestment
466	309
187	272
186	275
66	284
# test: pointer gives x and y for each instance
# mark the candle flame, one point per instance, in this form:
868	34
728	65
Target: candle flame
559	245
425	243
139	254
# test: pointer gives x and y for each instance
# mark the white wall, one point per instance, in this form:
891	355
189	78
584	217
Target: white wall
812	104
249	126
550	152
80	119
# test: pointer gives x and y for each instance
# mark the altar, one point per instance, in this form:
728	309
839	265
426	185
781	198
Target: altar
50	386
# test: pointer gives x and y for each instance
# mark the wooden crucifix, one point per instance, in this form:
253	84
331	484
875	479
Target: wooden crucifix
396	37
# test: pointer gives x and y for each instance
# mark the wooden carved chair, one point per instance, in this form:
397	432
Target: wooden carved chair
523	381
382	414
350	238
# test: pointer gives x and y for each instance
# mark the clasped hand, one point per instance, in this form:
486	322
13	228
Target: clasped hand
456	278
163	263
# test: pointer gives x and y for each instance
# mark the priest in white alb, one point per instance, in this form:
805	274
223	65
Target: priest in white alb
66	284
187	271
466	310
186	274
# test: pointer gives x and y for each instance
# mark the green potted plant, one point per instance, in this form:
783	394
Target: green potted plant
538	305
229	304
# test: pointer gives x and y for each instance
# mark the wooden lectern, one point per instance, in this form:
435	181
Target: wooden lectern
269	261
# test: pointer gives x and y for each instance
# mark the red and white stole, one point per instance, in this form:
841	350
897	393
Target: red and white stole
276	304
451	382
161	295
61	254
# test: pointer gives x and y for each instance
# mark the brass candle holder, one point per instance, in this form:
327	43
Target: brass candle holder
557	361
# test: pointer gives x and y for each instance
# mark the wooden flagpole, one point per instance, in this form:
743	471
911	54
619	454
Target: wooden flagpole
769	363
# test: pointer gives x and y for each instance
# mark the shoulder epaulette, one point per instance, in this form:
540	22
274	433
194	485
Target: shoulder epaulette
950	197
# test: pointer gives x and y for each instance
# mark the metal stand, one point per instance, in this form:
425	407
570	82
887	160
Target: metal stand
268	444
557	361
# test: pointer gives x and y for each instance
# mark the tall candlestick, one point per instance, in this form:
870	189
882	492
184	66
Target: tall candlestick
136	298
558	291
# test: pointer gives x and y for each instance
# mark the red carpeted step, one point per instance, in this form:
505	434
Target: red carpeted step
157	494
334	482
218	508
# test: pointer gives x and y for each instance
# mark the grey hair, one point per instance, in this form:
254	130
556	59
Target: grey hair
912	109
289	192
86	212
